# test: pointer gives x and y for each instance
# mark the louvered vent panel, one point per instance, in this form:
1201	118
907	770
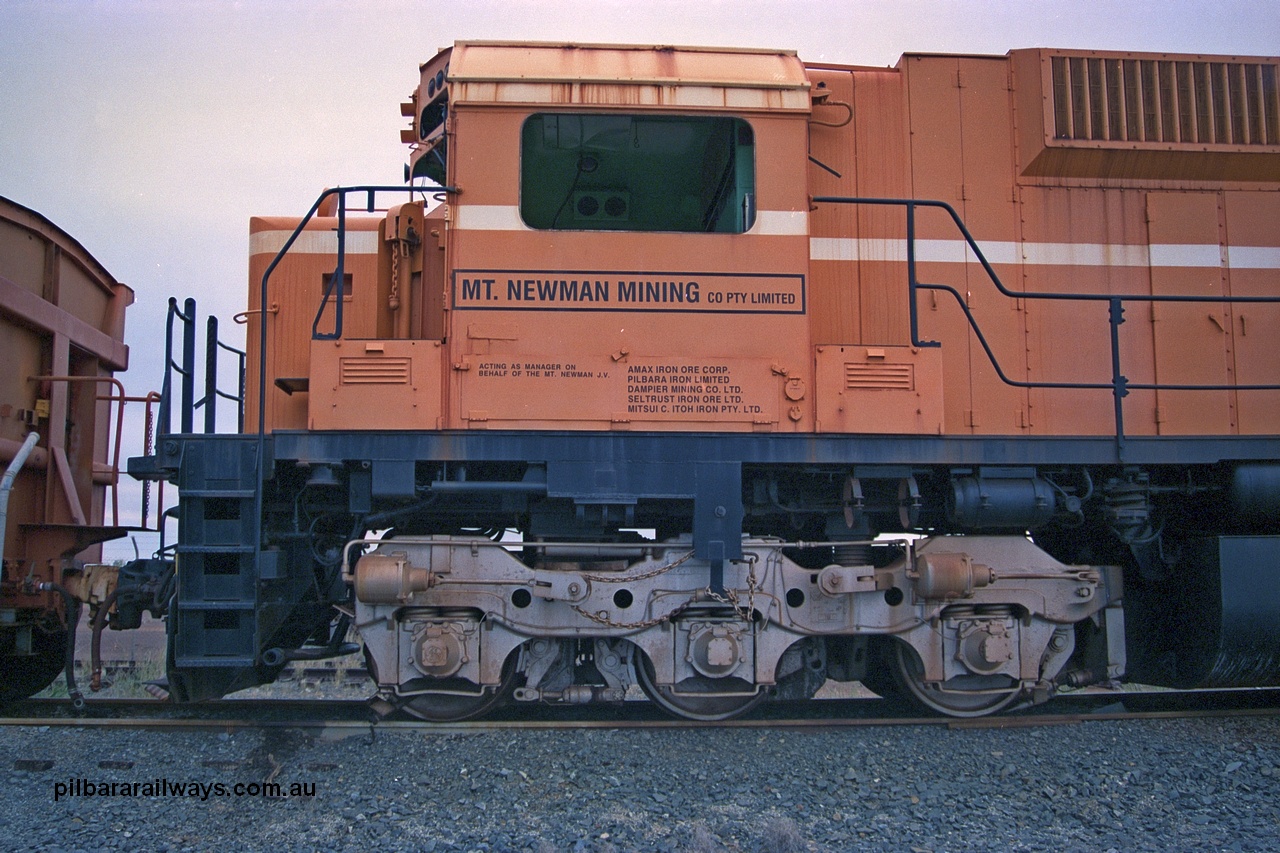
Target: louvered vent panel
374	371
1173	102
880	377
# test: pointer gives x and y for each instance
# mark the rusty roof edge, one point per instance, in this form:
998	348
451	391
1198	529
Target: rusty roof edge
824	65
555	45
785	72
931	54
636	81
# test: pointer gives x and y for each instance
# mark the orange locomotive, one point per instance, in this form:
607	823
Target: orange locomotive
700	331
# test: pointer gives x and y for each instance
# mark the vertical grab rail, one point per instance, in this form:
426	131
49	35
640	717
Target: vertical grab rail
212	349
186	369
336	280
210	398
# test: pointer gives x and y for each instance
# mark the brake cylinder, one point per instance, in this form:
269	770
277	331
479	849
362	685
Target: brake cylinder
390	578
943	576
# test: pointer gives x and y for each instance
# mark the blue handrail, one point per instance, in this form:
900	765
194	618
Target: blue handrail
1120	386
185	369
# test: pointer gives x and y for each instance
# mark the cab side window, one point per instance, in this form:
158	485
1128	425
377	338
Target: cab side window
591	172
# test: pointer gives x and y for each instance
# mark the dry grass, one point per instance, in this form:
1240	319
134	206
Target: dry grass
130	684
782	835
703	840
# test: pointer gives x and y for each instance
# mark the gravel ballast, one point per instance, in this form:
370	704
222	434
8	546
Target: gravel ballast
1202	784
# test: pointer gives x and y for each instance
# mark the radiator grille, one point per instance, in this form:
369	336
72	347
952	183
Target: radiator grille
374	371
880	377
1166	101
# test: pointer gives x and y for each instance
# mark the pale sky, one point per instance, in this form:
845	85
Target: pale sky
151	131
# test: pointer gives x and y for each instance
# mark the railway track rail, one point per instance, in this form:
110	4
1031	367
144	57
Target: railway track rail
815	714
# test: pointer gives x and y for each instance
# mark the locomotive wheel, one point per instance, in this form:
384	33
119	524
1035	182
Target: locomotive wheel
27	675
464	700
692	707
961	696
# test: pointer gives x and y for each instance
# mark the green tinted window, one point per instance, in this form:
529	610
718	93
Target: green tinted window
637	173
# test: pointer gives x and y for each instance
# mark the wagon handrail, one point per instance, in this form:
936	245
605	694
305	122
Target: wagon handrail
119	398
